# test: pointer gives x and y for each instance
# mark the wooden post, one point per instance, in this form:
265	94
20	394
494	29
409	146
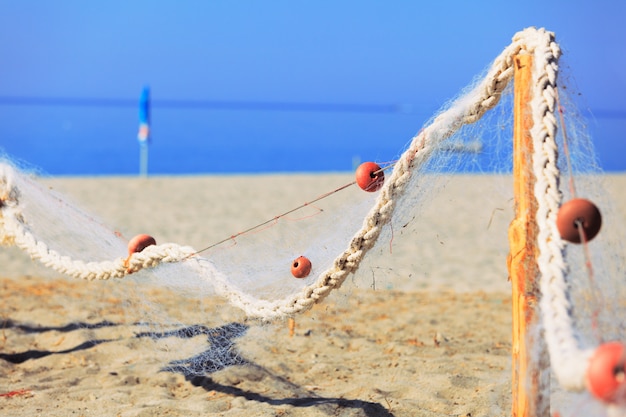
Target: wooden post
530	379
292	326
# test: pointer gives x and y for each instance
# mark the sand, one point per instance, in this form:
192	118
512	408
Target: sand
437	344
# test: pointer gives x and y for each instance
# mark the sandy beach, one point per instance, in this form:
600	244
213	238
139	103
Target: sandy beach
427	334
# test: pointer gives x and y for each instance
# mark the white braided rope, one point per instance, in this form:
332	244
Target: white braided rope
150	257
568	358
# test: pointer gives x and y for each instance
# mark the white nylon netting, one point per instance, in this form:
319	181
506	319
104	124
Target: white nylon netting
255	277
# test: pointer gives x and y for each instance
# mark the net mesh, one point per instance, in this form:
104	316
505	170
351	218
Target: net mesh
250	270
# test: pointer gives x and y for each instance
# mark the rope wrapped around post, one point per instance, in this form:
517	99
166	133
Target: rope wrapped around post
556	310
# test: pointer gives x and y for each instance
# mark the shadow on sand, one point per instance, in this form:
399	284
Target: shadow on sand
221	353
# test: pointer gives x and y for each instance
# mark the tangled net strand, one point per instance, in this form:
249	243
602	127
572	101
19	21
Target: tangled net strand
569	359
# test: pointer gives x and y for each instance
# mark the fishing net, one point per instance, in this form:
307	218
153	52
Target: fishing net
347	232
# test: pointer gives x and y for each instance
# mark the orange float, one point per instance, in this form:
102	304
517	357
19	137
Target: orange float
301	267
606	373
575	212
139	243
370	177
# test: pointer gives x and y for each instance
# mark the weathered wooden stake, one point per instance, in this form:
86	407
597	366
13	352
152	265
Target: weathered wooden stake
530	379
292	326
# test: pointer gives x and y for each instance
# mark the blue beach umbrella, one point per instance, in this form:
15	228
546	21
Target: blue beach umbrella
144	130
144	116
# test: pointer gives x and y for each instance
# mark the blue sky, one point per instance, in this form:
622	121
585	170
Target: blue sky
359	52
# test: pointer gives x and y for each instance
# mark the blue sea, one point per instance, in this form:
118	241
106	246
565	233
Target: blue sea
66	140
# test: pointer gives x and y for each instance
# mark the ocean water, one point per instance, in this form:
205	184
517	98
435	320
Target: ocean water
103	141
65	140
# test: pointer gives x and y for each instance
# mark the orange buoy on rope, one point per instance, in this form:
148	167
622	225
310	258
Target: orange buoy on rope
139	243
578	212
301	267
606	373
370	177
